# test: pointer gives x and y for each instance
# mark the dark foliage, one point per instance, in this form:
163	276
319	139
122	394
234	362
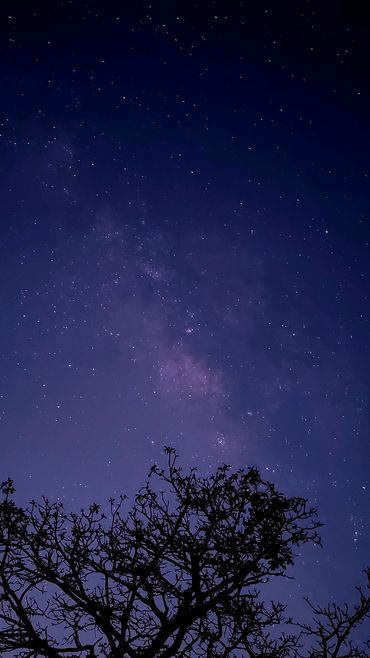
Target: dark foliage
179	575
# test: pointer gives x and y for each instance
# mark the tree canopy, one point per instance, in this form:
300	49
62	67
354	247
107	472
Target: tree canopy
181	573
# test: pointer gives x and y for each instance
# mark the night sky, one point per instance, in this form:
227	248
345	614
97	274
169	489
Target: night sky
184	252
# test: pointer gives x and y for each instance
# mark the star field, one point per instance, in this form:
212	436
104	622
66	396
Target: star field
184	253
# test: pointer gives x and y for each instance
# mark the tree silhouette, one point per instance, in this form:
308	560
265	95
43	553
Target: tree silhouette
179	575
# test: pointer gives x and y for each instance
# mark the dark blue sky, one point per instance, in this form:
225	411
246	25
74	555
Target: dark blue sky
184	252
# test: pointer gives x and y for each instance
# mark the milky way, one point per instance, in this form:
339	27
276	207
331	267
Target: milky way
184	254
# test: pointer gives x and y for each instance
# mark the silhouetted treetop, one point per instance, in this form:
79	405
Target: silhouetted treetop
180	574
